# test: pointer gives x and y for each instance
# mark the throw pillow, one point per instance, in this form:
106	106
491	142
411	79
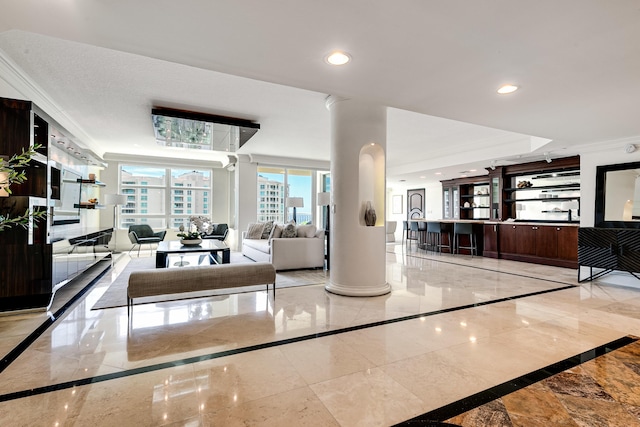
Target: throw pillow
306	230
289	230
266	231
276	232
255	230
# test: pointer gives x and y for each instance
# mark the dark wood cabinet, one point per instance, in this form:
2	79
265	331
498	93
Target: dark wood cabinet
507	238
546	241
568	243
466	198
542	191
540	244
526	240
490	236
25	264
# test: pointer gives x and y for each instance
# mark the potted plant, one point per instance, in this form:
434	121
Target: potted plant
12	172
190	238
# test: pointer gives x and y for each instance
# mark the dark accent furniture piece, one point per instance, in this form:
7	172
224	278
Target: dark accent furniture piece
142	234
613	173
218	232
219	253
608	249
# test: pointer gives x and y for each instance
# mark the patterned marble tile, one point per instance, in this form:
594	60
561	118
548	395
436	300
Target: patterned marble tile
601	392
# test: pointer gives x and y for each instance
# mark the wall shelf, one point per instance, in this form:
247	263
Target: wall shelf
88	206
565	187
92	182
546	200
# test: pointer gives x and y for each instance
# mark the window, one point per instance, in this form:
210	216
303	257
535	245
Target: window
276	184
162	201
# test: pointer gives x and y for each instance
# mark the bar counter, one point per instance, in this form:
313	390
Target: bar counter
539	242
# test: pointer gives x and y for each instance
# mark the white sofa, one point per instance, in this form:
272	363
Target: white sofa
287	253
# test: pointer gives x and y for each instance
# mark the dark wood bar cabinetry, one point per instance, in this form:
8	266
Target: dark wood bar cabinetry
541	244
28	277
25	259
530	211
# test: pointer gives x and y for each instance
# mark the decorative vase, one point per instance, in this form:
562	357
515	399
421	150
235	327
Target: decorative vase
369	215
190	242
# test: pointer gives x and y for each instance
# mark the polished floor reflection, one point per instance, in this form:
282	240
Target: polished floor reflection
452	326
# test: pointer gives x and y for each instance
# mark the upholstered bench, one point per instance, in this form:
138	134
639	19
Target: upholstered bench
201	278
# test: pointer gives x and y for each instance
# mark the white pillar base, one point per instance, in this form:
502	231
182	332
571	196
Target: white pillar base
351	291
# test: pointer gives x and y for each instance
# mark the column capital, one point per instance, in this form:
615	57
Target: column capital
332	99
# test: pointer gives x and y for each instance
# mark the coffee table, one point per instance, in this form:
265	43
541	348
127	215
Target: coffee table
219	253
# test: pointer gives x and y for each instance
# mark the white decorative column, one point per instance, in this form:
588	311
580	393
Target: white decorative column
358	175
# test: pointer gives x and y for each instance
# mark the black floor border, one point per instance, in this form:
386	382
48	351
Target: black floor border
25	343
481	398
485	268
211	356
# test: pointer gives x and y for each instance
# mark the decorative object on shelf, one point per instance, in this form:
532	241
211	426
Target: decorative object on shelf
467	205
369	215
524	184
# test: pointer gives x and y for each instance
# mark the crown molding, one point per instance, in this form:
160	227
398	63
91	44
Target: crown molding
31	91
262	159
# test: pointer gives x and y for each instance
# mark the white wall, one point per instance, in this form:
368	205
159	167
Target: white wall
246	175
433	203
589	160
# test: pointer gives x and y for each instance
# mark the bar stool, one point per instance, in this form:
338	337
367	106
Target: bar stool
405	231
464	229
422	234
413	233
432	240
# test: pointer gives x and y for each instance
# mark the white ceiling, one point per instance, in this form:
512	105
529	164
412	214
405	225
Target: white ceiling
436	64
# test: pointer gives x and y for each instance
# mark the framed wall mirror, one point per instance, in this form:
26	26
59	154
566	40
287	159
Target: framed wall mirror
618	196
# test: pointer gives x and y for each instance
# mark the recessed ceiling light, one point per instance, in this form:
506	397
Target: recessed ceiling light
438	173
508	88
422	177
338	58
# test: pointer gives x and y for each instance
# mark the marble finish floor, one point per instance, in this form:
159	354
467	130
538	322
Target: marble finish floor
604	391
452	327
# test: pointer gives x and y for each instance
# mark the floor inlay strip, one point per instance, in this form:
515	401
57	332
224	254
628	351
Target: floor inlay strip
196	359
485	269
24	344
484	397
